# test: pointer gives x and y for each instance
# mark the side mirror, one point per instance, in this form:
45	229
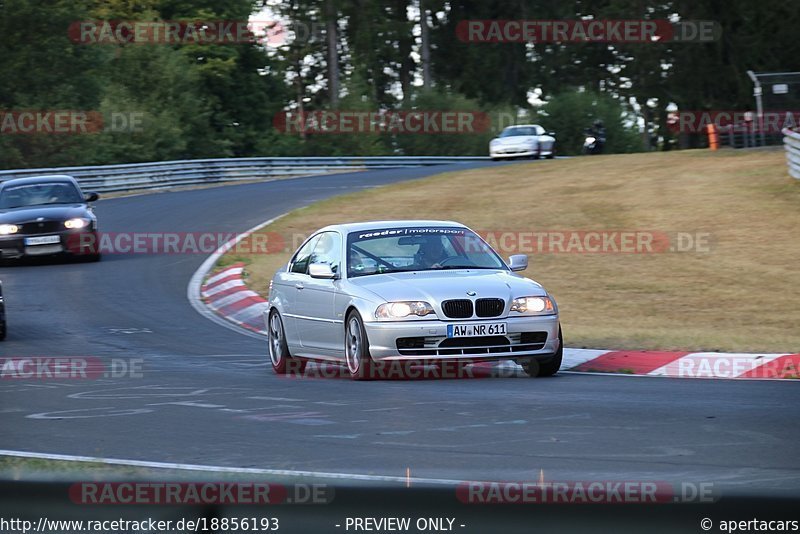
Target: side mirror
518	262
321	270
551	134
90	196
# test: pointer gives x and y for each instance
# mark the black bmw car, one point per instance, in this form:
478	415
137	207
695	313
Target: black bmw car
46	215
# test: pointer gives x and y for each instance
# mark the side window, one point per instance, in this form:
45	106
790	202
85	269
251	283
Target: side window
300	261
328	250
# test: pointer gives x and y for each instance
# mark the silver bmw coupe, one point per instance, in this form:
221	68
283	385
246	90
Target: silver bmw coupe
425	292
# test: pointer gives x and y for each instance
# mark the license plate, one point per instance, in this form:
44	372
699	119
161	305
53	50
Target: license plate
476	329
43	240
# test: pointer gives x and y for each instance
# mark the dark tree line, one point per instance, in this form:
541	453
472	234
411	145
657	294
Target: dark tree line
200	100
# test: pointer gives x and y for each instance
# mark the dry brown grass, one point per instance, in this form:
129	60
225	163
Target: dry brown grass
741	295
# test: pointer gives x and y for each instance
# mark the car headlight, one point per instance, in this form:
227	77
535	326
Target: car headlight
8	229
75	224
533	305
398	310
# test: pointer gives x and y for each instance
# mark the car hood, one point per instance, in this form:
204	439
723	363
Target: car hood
57	212
516	140
436	286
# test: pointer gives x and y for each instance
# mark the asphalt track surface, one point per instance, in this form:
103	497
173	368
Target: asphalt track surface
207	396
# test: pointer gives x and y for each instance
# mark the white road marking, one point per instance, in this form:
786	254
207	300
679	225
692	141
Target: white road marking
224	469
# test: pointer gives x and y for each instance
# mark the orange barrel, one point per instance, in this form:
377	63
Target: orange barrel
713	139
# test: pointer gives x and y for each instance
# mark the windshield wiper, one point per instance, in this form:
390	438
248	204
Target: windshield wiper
446	267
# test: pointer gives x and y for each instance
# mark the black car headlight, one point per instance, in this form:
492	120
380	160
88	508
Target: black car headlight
77	223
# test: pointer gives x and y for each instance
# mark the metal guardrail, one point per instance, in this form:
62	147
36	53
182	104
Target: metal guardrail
791	142
136	176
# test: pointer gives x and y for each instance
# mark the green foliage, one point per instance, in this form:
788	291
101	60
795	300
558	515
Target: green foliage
568	114
447	144
200	101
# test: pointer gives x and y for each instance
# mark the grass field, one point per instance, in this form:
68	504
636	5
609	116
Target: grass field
738	291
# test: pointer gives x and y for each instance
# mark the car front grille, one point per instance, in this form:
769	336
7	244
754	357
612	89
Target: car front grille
489	307
44	227
457	309
486	346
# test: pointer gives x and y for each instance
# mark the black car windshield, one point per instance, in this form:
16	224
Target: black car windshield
391	250
514	132
38	194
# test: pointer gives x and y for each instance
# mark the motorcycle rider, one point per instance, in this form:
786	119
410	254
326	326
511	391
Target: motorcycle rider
598	131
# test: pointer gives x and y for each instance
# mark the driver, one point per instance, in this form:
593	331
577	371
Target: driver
430	254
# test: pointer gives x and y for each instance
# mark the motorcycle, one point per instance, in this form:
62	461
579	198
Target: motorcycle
592	145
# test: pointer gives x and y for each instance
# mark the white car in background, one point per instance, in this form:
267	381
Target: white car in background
523	141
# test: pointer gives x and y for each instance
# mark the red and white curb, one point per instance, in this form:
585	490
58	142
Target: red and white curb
227	295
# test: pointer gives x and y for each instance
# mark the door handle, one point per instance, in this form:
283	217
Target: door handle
299	285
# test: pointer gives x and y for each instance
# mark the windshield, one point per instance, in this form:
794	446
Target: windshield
391	250
514	132
39	194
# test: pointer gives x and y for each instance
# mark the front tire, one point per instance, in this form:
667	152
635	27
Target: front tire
540	369
282	361
356	347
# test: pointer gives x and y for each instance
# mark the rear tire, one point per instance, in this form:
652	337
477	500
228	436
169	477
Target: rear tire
356	347
549	367
282	361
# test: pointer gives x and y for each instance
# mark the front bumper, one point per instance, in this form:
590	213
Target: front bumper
513	152
540	341
69	242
